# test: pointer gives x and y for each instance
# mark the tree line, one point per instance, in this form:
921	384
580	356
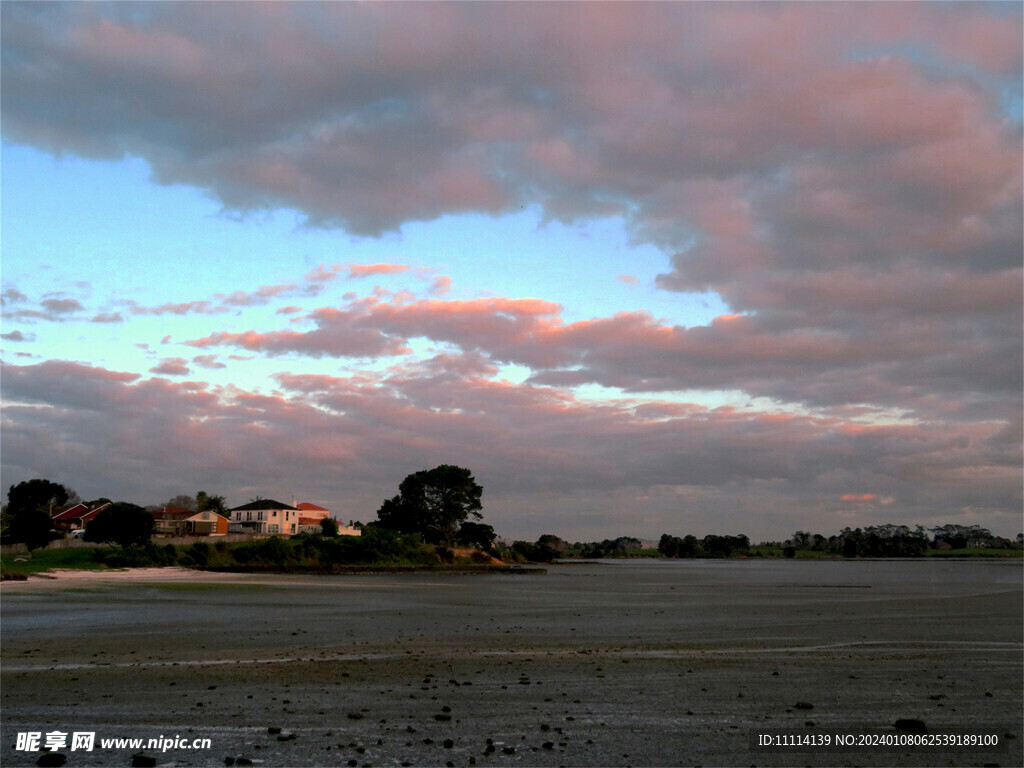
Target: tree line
871	541
442	507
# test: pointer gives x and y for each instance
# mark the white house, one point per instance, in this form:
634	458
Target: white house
266	516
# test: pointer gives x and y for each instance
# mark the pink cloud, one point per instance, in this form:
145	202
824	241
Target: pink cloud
366	270
171	366
208	361
338	335
260	296
203	307
323	273
108	317
440	285
62	306
863	497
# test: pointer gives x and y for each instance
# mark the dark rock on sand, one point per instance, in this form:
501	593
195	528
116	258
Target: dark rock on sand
910	724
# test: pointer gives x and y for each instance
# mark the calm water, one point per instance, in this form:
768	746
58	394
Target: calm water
614	663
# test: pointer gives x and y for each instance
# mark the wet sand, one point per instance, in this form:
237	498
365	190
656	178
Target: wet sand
647	663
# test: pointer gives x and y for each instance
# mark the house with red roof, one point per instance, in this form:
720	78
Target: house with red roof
76	517
267	516
312	515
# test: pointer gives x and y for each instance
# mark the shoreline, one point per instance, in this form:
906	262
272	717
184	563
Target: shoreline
63	577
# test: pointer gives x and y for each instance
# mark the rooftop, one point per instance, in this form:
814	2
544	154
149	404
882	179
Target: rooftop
263	504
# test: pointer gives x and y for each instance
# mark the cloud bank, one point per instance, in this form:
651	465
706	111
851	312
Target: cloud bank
846	176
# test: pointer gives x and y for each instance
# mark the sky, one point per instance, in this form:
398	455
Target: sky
681	268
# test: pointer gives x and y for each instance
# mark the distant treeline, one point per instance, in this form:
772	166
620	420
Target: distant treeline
709	546
550	547
871	541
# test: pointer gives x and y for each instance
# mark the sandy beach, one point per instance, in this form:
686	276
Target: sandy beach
647	663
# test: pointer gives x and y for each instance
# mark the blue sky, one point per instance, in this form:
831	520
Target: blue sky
135	240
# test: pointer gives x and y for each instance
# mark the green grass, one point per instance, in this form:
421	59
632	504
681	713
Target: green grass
40	560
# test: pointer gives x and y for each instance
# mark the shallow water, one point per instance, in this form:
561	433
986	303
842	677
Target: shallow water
625	662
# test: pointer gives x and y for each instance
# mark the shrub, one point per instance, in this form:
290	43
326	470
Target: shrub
274	550
199	553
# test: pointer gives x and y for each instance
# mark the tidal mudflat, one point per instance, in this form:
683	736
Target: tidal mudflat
645	663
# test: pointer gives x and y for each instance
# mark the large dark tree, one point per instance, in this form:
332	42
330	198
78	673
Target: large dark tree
398	514
121	523
477	535
29	507
434	502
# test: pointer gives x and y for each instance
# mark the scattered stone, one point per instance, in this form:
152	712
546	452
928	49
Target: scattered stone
229	760
910	724
273	730
140	760
52	759
443	718
803	705
448	744
243	761
509	750
548	745
355	715
287	737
